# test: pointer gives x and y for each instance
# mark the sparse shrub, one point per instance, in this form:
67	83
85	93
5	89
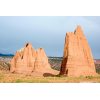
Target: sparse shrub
58	75
18	81
89	77
61	75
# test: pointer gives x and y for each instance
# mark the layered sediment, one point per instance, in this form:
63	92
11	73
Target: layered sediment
77	56
30	61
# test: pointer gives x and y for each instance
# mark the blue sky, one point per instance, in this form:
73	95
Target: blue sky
46	32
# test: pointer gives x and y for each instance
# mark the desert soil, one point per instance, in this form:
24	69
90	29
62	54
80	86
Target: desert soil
7	77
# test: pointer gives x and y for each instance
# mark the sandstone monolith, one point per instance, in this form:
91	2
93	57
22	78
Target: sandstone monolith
30	61
77	57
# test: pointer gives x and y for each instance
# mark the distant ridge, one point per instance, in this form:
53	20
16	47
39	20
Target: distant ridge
6	55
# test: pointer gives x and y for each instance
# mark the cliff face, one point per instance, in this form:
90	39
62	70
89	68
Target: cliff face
28	60
77	58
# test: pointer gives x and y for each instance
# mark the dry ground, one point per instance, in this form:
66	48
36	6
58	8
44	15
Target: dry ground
7	77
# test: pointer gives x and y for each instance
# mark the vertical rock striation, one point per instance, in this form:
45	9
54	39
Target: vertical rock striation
77	57
28	60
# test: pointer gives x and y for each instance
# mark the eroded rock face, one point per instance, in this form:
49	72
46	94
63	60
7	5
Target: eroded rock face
28	60
77	58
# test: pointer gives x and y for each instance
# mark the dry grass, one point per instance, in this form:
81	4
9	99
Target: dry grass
6	77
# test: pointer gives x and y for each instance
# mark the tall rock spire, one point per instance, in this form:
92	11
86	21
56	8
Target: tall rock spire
78	31
77	58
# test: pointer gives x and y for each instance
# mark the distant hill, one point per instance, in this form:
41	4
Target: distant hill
6	55
97	61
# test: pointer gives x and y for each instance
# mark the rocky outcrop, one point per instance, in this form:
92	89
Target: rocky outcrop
28	60
77	58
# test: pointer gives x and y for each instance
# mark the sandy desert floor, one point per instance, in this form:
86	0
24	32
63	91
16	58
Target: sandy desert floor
7	77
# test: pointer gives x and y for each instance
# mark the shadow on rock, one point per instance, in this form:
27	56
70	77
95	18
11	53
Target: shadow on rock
48	74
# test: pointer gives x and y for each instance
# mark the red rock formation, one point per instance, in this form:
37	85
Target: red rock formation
27	60
77	58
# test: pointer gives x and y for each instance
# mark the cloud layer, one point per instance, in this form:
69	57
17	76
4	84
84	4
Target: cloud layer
46	32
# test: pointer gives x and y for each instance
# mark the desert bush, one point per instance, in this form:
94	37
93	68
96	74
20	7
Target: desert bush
89	77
